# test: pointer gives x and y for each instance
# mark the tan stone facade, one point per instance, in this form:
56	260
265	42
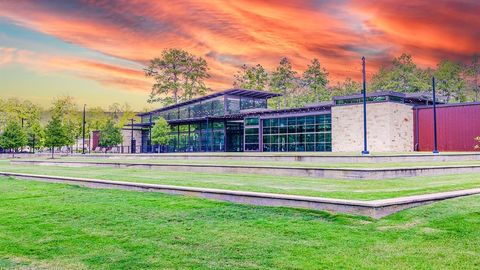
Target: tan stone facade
389	127
127	139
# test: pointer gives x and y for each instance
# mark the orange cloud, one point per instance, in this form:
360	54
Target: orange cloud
230	33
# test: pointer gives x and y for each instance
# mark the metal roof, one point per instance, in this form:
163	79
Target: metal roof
233	91
423	96
371	94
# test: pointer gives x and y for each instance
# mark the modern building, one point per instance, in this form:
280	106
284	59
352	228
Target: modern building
238	120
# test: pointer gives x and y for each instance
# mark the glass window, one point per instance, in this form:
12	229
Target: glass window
247	103
274	122
310	120
218	125
266	130
396	99
251	147
261	103
251	131
266	122
233	105
251	121
303	133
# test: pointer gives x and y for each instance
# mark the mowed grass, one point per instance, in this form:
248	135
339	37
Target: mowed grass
332	188
247	162
57	226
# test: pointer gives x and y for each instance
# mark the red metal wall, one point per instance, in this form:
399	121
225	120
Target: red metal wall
95	139
457	126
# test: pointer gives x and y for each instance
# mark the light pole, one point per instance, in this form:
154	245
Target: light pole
23	119
364	91
33	143
83	130
132	141
435	146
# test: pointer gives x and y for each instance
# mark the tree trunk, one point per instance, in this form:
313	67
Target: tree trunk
13	154
159	148
53	150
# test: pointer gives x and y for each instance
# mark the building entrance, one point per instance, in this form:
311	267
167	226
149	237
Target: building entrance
234	136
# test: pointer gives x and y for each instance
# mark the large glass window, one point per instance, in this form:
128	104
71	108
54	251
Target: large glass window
233	105
369	99
302	133
251	140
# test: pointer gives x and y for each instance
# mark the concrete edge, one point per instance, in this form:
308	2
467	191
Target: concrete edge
251	166
375	208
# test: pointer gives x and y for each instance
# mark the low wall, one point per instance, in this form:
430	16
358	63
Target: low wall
329	173
290	157
375	209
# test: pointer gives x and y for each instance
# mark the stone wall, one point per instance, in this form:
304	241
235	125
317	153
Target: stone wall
389	127
127	139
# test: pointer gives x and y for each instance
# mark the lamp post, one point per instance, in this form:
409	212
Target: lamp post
132	141
364	91
33	143
23	119
83	130
435	146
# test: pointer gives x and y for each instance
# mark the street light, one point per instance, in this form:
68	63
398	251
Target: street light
83	130
435	146
364	91
132	141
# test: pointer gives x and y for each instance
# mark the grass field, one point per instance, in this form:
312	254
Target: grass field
345	189
247	162
56	226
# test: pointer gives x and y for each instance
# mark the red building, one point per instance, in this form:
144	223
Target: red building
457	126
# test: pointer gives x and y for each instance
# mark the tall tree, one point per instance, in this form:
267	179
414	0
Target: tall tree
283	80
35	135
315	79
251	77
347	87
449	80
13	137
96	119
56	134
473	76
110	135
402	75
66	110
179	76
127	113
21	111
116	110
161	132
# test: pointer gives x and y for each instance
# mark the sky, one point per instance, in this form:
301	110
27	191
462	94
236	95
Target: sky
95	51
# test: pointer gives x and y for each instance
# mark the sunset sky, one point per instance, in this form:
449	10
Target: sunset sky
96	50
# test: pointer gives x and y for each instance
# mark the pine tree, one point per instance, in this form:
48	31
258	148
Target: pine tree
315	79
255	77
283	80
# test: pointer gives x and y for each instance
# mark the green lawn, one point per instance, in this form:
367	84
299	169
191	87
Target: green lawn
57	226
247	162
346	189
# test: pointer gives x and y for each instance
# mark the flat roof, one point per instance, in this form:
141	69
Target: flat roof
421	96
233	91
